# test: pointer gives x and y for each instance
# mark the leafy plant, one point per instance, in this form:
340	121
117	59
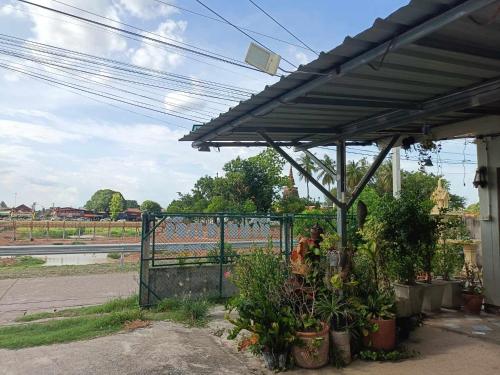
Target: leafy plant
473	279
393	355
261	306
230	255
381	306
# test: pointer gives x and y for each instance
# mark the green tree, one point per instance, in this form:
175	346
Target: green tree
326	178
355	170
129	203
383	178
151	206
307	163
116	205
3	205
249	185
100	200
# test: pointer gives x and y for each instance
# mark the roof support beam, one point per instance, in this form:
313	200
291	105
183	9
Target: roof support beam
477	95
301	170
320	164
355	102
418	32
371	171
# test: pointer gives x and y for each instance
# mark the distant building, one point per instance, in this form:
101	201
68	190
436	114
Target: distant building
65	213
130	214
21	212
290	190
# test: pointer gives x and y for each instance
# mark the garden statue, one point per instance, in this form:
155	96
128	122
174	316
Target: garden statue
441	199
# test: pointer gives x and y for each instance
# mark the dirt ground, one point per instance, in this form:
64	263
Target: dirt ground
168	348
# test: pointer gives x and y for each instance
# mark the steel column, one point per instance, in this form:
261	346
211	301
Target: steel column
341	189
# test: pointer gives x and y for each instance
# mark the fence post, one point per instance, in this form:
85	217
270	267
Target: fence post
64	229
14	227
31	230
286	221
221	254
144	266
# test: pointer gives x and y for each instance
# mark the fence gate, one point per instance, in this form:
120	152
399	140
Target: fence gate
184	254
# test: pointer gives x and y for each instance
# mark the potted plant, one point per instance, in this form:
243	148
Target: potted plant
311	346
380	313
449	260
404	222
430	227
473	293
340	315
261	307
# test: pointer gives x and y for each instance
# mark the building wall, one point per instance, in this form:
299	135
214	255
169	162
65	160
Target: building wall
488	154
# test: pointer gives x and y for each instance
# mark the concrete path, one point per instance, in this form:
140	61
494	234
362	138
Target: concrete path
168	348
18	296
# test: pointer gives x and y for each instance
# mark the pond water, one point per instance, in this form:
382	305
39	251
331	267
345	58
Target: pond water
73	259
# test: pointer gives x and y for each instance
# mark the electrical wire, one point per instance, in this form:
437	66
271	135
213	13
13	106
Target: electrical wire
283	27
227	60
226	23
239	29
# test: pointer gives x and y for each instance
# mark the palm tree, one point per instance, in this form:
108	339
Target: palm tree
306	162
327	178
383	178
355	170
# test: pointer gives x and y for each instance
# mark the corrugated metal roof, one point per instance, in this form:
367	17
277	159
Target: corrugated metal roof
389	91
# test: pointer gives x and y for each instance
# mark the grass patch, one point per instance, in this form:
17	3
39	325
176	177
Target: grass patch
114	305
65	330
114	255
21	262
100	320
47	271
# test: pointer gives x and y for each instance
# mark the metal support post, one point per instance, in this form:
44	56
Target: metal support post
396	171
221	255
144	294
341	190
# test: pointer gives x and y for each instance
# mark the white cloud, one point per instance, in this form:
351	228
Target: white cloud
147	9
63	32
152	56
20	131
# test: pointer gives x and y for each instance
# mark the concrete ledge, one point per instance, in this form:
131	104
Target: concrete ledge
195	280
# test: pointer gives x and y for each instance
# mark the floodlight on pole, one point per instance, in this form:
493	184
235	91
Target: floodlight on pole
263	59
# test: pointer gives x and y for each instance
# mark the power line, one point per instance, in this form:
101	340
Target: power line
225	59
283	27
127	67
239	29
227	23
100	94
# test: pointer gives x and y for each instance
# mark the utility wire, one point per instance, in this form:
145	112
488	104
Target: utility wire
227	60
239	29
226	23
100	94
283	27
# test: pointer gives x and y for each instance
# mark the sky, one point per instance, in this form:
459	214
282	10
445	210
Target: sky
58	146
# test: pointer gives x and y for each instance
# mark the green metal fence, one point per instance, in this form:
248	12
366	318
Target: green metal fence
200	239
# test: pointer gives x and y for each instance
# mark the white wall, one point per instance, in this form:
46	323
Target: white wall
488	154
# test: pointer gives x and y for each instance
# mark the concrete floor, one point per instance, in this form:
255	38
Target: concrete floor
19	296
168	348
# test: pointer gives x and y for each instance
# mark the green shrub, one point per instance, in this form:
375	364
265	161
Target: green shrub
114	255
230	255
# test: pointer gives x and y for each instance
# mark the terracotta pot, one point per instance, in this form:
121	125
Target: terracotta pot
472	303
312	349
384	338
341	342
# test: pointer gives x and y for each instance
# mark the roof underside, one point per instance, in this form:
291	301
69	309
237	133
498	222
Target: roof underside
440	77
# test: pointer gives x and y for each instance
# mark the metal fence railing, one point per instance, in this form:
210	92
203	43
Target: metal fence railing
187	239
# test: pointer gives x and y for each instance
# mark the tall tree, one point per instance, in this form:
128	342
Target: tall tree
130	203
100	200
3	205
307	163
383	178
326	178
355	170
116	205
151	206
